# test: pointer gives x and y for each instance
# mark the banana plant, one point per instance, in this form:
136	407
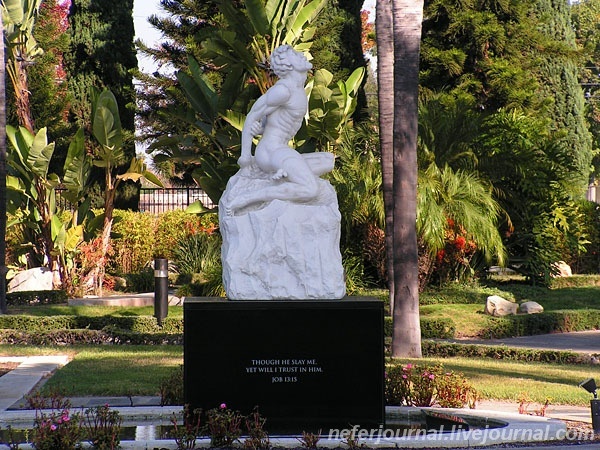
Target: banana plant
109	154
18	17
32	190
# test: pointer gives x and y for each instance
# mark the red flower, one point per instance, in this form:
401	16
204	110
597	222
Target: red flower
460	242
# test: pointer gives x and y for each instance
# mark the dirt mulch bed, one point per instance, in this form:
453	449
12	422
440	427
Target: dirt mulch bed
6	367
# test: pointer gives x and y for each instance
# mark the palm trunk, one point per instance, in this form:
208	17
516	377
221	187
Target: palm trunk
3	269
406	337
385	80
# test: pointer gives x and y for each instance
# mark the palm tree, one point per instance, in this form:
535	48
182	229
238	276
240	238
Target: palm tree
3	269
385	80
407	20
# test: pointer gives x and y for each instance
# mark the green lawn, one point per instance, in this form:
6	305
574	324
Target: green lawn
507	380
117	370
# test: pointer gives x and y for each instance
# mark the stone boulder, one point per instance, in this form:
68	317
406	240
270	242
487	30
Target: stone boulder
562	269
281	249
498	307
36	279
530	307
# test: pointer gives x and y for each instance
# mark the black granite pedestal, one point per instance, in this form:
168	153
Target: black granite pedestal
307	365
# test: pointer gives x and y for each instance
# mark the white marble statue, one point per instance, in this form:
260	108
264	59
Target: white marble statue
279	220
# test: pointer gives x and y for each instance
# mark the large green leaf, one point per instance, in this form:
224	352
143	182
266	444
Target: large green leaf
199	91
106	123
258	16
301	18
77	165
40	154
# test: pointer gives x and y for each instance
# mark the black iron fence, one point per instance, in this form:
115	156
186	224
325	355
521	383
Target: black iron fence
159	200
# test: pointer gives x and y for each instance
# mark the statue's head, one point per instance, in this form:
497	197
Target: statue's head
285	59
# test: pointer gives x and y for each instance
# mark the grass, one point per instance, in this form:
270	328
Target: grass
508	380
464	304
107	370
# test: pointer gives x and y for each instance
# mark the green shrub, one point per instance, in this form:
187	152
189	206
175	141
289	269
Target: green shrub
575	281
543	323
430	328
197	253
171	388
143	281
450	350
173	226
109	335
21	298
141	237
414	385
138	324
54	337
133	248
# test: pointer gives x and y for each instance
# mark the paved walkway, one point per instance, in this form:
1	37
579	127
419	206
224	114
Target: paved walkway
578	341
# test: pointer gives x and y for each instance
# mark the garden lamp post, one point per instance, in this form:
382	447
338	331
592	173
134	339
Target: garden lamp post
161	289
590	386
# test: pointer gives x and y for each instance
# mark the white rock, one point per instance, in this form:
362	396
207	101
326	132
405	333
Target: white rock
530	307
36	279
497	306
564	270
282	250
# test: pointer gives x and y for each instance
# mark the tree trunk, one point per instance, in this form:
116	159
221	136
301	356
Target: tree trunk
3	269
385	82
22	99
407	20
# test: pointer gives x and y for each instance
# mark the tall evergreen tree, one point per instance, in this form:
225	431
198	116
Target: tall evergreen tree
559	81
47	79
586	22
102	55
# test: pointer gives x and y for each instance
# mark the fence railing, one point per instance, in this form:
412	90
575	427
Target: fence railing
159	200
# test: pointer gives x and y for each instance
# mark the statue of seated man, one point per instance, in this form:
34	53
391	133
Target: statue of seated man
278	115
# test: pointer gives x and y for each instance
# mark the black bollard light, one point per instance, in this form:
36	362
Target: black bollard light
161	289
590	386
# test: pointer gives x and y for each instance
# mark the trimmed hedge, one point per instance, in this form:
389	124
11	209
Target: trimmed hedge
430	328
575	281
448	350
108	336
139	324
30	298
543	323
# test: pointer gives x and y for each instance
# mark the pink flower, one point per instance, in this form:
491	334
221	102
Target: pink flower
404	377
409	366
223	406
431	376
53	427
